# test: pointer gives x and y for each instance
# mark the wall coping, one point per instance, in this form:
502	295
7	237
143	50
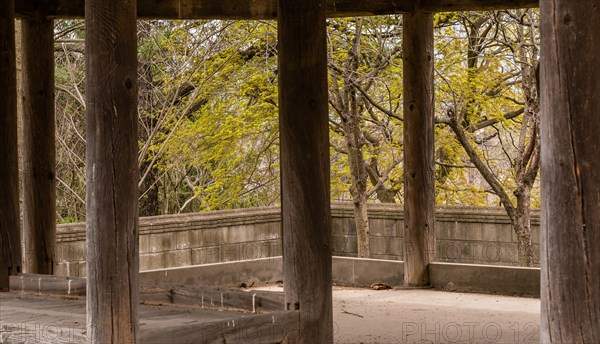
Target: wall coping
239	217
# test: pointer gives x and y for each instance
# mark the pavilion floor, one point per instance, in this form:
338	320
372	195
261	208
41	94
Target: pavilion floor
26	319
432	316
360	316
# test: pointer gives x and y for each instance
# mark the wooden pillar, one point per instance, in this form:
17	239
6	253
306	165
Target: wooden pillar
10	238
570	245
304	135
419	164
112	172
39	147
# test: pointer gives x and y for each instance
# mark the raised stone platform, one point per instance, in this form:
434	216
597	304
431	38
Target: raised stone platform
349	272
358	272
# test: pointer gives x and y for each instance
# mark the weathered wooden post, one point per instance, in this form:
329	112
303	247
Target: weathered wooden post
304	133
112	173
570	245
10	238
39	147
419	163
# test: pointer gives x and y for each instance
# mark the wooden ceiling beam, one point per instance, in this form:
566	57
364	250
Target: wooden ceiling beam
475	5
262	9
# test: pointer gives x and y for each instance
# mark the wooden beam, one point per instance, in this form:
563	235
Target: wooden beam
48	285
305	189
112	172
475	5
10	238
250	328
570	245
39	152
419	162
263	9
254	301
215	9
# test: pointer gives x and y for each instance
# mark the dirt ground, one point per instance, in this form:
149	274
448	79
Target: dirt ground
430	316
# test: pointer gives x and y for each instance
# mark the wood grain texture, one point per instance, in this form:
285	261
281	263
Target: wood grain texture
305	189
419	163
475	5
112	173
570	245
10	238
151	293
263	9
48	285
211	297
39	146
253	328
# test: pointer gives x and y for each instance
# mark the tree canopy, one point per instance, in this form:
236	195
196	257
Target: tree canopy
208	109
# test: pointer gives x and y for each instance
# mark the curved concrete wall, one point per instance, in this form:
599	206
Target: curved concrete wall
465	235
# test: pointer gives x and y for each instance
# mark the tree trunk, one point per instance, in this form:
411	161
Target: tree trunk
528	161
149	201
361	219
384	194
521	222
358	174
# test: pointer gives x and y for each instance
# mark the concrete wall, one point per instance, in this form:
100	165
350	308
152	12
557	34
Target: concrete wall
465	235
186	239
346	271
356	272
508	280
473	235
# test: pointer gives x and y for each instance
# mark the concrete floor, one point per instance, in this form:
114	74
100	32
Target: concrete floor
52	320
360	316
430	316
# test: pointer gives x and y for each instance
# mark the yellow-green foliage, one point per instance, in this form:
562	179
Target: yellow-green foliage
208	109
